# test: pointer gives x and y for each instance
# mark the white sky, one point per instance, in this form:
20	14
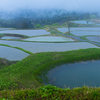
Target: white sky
80	5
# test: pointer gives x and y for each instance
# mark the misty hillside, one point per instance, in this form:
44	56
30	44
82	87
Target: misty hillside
41	14
37	17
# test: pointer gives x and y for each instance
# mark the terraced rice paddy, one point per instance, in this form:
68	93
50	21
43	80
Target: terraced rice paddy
94	38
1	29
10	37
49	39
27	32
12	54
83	33
36	47
82	22
49	47
63	30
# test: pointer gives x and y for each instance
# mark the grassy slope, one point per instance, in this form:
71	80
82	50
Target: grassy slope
24	74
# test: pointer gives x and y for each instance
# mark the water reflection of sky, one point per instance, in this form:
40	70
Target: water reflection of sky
49	39
10	37
27	32
82	33
82	22
79	29
76	75
12	53
48	47
94	38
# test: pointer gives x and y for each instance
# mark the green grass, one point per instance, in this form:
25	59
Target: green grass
17	48
27	73
22	81
4	63
52	93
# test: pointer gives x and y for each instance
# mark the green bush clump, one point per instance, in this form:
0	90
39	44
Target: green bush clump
52	93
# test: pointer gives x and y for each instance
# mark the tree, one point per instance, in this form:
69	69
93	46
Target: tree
38	26
69	25
87	17
24	25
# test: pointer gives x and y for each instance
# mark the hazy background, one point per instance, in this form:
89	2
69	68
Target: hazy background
76	5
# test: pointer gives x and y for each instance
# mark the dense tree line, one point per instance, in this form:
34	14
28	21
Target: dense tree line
32	22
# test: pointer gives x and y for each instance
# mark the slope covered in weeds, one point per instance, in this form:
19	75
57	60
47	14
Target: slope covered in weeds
25	75
52	93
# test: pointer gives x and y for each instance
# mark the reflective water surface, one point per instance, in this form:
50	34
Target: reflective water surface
49	47
10	37
12	54
82	22
79	29
82	33
49	39
94	38
76	74
27	32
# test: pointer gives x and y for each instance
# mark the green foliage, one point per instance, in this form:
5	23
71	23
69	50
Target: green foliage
29	72
55	24
4	63
52	93
93	17
87	16
38	26
24	25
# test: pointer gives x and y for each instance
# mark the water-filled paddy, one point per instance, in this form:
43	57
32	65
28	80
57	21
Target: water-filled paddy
82	33
12	54
5	29
10	37
79	29
76	74
49	39
27	32
94	38
49	47
82	22
62	29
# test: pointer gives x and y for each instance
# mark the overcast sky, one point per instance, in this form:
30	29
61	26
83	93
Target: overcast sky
78	5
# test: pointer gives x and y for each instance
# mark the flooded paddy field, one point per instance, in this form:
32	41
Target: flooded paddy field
27	32
12	54
93	38
82	33
10	37
76	74
79	29
1	29
82	22
49	47
49	39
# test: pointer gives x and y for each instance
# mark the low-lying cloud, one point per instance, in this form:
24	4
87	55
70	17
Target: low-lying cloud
77	5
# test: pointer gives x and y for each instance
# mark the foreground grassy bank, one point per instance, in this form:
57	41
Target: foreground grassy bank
52	93
26	74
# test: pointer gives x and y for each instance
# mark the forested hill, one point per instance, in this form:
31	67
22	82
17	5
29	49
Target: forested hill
39	17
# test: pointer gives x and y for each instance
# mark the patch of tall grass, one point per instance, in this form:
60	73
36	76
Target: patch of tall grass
52	93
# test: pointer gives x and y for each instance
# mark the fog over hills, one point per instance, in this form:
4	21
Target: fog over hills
31	14
10	9
39	13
